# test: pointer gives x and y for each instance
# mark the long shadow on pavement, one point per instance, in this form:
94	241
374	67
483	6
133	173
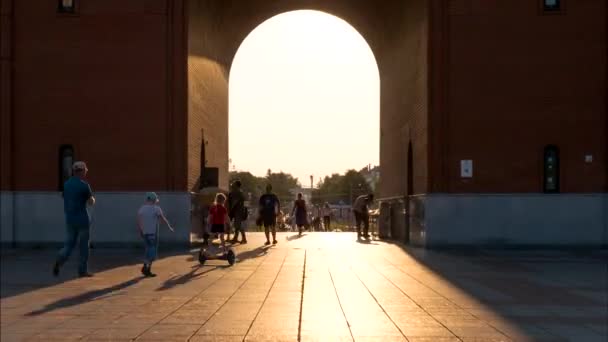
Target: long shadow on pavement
85	297
295	237
254	253
183	279
530	289
25	270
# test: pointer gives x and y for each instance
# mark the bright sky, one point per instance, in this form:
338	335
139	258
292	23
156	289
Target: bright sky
304	98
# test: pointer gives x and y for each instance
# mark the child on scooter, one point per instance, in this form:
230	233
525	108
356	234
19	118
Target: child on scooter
218	218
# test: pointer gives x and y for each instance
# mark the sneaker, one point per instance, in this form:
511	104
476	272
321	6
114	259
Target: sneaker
244	241
274	242
85	274
266	243
147	271
234	241
56	269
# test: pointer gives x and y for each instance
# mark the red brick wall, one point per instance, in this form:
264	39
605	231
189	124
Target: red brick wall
97	80
6	57
482	80
403	63
518	80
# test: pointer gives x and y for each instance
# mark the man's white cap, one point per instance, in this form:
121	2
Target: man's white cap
152	197
80	166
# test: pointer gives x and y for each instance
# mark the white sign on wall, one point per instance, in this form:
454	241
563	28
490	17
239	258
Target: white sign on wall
466	168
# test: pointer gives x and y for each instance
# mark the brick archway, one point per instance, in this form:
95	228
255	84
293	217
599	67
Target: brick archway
396	33
131	86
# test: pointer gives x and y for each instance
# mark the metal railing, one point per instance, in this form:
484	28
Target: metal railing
393	218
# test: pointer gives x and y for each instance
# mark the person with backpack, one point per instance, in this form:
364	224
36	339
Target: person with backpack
237	212
299	211
269	207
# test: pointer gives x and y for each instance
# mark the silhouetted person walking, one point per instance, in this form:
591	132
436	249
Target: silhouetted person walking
237	211
299	209
326	217
361	211
269	208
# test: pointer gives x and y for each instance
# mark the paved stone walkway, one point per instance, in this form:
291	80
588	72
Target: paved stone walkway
321	287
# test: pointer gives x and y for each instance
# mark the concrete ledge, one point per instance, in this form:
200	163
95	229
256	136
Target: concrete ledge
44	245
37	218
512	221
6	216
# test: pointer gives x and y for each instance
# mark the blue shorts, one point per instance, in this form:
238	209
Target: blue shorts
151	242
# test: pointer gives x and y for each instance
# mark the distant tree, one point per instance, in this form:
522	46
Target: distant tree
281	183
341	188
250	184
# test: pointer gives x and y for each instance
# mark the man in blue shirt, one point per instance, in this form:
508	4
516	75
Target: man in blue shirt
270	206
77	195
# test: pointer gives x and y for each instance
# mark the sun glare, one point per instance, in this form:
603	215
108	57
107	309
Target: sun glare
304	98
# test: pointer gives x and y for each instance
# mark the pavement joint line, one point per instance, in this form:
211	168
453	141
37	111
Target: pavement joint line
302	298
265	298
412	299
186	302
96	330
377	302
340	303
435	291
227	300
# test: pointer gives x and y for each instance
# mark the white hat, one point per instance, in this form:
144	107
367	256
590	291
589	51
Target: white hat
152	197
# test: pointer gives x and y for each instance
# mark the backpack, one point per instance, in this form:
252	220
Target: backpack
233	205
245	213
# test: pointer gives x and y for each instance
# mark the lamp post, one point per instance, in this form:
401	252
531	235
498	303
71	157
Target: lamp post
311	188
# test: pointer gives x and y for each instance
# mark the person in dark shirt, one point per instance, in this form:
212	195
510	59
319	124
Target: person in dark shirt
269	208
77	195
237	211
299	209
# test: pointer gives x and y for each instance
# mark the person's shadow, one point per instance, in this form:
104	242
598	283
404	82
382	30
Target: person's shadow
366	241
184	278
295	237
254	253
85	297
